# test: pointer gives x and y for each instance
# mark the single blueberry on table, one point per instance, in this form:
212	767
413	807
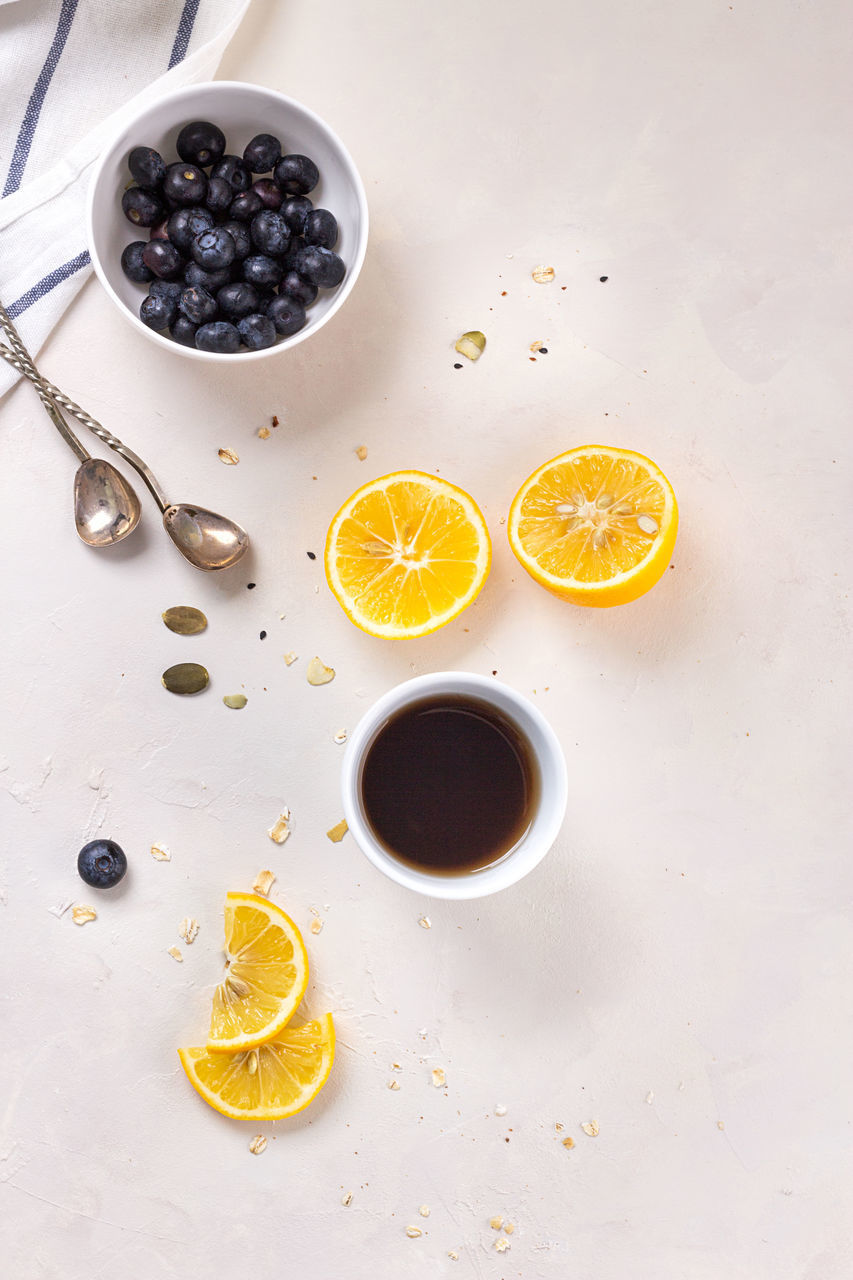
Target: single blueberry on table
239	233
183	331
201	142
161	257
197	278
218	336
101	863
185	184
237	300
321	227
133	266
320	266
296	175
185	224
295	287
141	207
147	167
197	305
287	314
219	195
214	249
295	210
235	173
270	233
245	206
262	154
158	312
166	289
271	197
257	332
261	271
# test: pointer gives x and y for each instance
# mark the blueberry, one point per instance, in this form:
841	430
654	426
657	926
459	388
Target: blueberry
185	224
235	173
101	863
295	287
161	257
261	271
263	153
245	206
157	312
239	232
166	289
237	300
320	266
287	314
257	332
197	278
197	305
218	336
295	210
183	331
201	143
214	249
160	230
141	207
271	197
147	167
270	233
184	184
219	195
321	227
296	175
133	266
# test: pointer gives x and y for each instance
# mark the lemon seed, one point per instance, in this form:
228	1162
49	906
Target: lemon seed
648	524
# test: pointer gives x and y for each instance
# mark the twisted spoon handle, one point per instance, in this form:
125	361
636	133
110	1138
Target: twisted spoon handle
28	369
26	366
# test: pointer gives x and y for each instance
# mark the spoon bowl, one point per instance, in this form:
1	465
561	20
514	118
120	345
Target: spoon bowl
106	509
207	540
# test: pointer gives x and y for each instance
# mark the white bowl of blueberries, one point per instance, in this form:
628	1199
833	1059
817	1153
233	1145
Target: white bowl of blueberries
227	220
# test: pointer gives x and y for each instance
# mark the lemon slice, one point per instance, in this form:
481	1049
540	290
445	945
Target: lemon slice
266	974
406	554
596	526
274	1080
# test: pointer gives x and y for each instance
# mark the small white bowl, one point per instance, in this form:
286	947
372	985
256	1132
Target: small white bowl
553	786
241	111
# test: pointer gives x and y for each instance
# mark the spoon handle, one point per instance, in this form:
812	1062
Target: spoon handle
28	369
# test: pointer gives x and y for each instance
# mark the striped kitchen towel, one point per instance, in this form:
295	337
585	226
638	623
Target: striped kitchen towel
69	69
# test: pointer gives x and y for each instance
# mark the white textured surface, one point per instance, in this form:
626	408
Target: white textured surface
679	968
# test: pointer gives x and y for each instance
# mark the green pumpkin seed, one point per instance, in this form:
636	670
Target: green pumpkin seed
184	620
236	701
185	677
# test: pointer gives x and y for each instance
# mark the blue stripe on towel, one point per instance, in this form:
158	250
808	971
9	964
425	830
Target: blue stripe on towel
37	97
185	30
48	282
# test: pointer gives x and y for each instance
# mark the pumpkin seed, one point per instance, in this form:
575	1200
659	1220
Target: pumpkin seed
184	620
236	701
185	678
471	344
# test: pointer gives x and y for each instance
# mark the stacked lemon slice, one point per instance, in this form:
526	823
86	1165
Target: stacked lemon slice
257	1065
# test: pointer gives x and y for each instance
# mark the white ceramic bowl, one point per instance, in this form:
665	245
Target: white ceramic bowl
547	752
241	111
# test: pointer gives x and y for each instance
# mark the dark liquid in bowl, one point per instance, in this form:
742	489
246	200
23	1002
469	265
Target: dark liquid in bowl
449	784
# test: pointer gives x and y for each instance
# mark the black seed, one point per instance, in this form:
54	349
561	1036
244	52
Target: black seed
543	351
603	279
250	586
310	555
263	635
457	366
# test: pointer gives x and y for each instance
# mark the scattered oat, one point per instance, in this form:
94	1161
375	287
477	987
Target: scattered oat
650	1097
394	1085
496	1223
721	1124
338	831
439	1077
280	829
258	1144
340	737
161	852
346	1199
509	1227
290	657
591	1128
264	433
264	881
82	915
229	457
318	673
558	1126
413	1232
316	926
424	1211
536	346
188	929
361	452
568	1143
502	1244
425	922
453	1255
500	1109
543	275
175	953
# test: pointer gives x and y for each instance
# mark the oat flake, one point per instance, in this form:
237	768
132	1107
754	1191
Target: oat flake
264	433
361	452
264	881
340	737
318	673
568	1143
338	831
543	275
591	1128
424	1211
439	1077
290	657
502	1244
413	1232
280	829
500	1109
161	852
394	1085
346	1199
175	953
82	915
258	1144
496	1223
425	922
316	925
229	457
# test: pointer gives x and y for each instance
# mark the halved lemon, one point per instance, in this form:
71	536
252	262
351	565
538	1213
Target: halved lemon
596	525
406	554
265	978
274	1080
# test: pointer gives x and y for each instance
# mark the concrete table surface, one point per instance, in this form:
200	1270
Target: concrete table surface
678	969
